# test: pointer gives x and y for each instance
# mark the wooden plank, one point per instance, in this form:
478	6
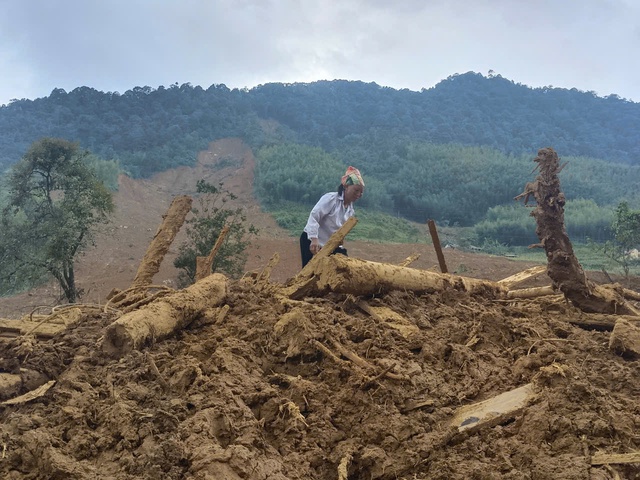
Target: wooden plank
524	275
493	411
609	458
39	329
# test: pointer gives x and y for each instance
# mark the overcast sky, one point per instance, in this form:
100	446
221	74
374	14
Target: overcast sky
115	45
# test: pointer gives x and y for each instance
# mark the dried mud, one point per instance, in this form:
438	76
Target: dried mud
274	389
264	393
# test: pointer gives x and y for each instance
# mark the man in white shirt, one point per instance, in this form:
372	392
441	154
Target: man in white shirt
329	214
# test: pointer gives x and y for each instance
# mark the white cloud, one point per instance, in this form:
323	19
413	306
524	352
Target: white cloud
115	45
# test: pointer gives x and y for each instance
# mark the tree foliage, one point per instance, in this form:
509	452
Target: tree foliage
209	217
54	205
513	224
448	153
152	129
626	237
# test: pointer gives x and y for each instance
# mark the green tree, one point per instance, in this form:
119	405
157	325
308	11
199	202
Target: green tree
626	233
54	205
209	218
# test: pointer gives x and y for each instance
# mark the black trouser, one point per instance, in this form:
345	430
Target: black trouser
305	249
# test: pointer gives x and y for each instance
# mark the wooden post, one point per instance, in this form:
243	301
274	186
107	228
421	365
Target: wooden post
522	276
436	246
562	265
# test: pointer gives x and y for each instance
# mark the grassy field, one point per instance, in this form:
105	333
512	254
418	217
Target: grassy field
588	256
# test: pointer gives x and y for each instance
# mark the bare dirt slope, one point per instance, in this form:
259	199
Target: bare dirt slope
266	387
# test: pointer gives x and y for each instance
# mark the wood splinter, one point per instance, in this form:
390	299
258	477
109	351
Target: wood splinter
360	361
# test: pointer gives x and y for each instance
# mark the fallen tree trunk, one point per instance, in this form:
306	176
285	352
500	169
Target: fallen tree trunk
532	292
171	223
563	267
341	274
162	318
594	321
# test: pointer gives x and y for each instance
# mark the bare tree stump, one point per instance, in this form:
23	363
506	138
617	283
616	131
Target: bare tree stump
564	269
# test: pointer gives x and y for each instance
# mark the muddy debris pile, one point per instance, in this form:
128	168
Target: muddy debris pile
237	380
351	370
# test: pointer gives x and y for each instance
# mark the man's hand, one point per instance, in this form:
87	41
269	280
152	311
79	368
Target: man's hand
315	246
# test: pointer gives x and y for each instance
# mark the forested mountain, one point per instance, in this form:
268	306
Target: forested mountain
149	129
452	153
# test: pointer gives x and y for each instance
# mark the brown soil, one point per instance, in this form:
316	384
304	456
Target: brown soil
271	389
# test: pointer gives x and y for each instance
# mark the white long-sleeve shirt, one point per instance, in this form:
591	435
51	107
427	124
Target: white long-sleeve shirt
328	215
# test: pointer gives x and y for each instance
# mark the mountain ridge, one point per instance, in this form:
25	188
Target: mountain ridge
149	130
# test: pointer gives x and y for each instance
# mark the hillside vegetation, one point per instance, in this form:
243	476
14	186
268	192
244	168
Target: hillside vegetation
457	153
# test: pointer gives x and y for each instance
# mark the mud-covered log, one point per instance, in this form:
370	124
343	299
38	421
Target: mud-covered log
341	274
532	292
334	242
563	267
171	224
39	329
163	317
600	322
